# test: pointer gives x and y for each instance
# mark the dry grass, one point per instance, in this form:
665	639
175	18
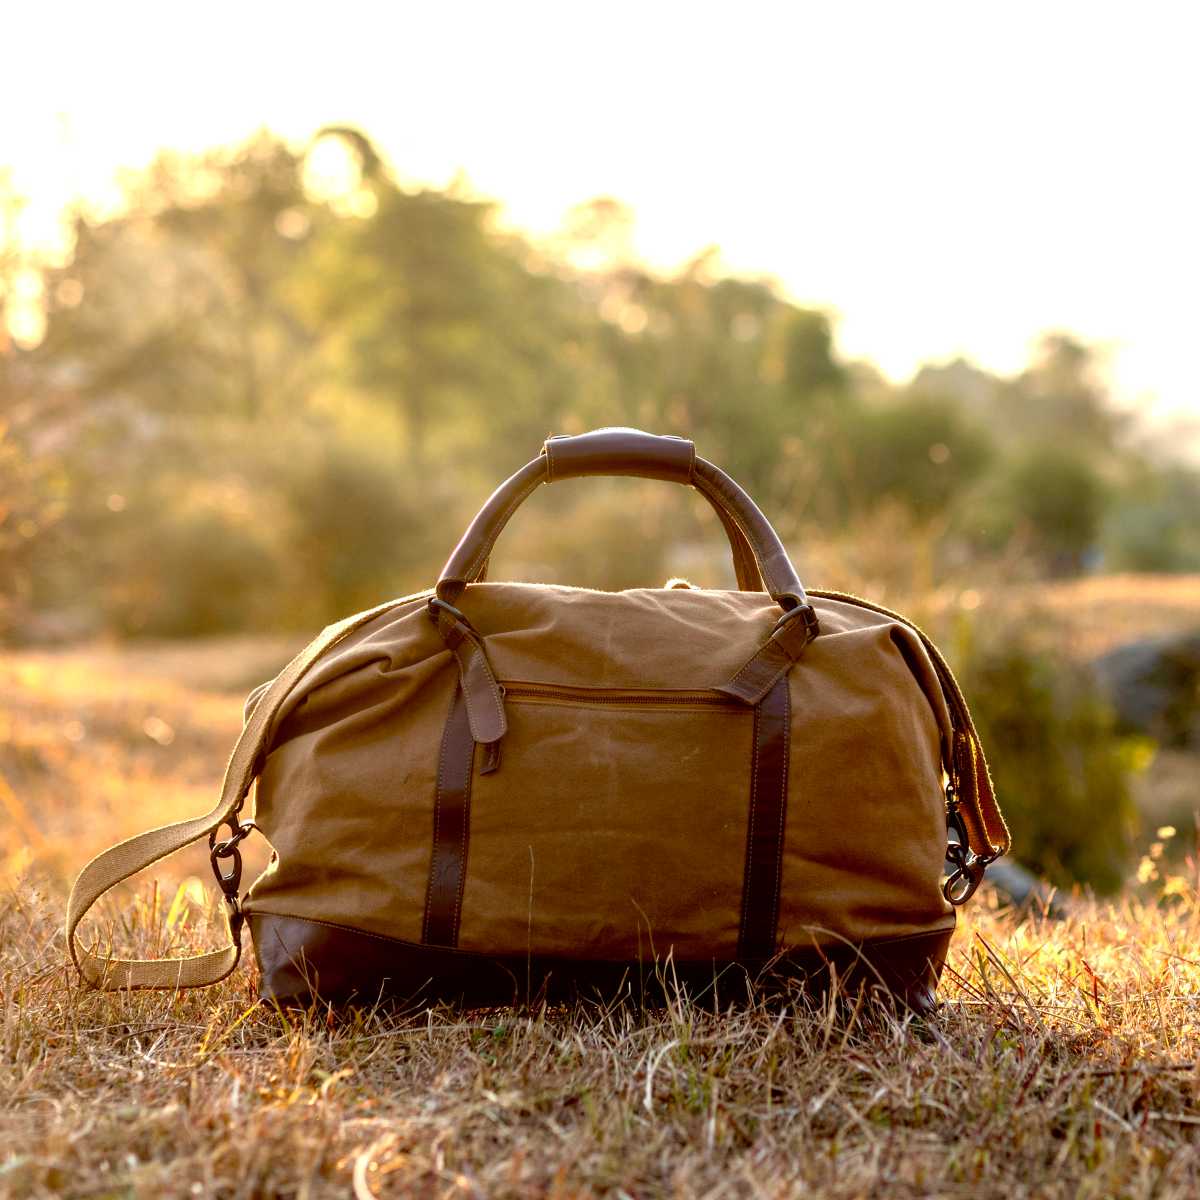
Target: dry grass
1105	611
1063	1062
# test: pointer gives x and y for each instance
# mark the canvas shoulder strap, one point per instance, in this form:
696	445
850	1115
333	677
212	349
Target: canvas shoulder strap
127	858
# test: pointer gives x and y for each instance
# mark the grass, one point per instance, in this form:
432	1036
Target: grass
1064	1060
1062	1063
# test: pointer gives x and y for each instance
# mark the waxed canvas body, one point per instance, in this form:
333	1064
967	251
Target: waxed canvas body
616	830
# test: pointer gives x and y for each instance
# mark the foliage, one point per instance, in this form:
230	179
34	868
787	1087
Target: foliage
920	451
1156	526
32	492
279	351
1060	766
1052	500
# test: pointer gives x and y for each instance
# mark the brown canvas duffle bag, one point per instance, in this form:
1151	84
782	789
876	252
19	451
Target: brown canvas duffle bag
492	790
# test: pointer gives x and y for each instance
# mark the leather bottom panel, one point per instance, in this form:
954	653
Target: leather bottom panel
301	959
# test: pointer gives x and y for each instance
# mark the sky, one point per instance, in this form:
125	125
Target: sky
945	178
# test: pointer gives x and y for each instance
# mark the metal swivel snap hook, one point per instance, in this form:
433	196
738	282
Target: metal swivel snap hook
228	849
968	867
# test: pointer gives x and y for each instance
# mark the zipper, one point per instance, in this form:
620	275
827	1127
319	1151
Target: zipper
590	697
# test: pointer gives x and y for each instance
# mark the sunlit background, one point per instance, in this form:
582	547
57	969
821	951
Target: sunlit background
286	289
947	179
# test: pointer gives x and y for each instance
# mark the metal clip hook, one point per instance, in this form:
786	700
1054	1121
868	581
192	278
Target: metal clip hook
228	848
969	867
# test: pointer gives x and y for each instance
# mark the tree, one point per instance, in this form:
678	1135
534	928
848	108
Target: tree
1058	397
920	451
1056	499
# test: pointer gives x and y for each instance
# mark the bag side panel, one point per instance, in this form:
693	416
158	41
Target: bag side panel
866	828
346	801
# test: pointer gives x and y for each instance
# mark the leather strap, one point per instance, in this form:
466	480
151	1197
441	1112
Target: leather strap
764	832
451	828
481	693
780	580
625	452
775	658
126	858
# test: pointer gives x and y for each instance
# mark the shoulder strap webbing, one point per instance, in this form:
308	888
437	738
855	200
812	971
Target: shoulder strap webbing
126	858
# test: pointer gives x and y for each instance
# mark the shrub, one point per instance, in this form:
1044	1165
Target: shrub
187	570
354	533
1061	769
1055	498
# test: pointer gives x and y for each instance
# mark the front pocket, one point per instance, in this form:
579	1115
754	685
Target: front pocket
616	828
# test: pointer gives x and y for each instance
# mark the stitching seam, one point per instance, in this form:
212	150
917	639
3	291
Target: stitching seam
783	799
486	548
437	814
748	887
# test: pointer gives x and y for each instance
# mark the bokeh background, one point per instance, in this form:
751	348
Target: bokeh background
286	290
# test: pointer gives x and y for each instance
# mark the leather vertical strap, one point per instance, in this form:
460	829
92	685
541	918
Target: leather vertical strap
451	827
764	833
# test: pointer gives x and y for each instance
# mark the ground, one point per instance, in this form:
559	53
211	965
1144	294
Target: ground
1063	1061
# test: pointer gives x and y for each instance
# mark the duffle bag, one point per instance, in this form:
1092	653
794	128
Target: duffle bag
494	791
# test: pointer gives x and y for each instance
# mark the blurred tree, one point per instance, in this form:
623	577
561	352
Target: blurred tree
1061	771
920	451
812	374
440	318
278	364
32	483
180	308
1059	398
1154	522
1056	500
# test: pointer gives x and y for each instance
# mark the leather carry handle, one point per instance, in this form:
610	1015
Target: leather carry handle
629	452
665	457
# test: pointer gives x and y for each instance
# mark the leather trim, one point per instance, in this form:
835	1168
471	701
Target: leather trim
619	451
779	576
781	651
765	826
451	828
301	959
481	692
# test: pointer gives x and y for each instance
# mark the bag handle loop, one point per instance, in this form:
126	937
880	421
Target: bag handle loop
629	452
